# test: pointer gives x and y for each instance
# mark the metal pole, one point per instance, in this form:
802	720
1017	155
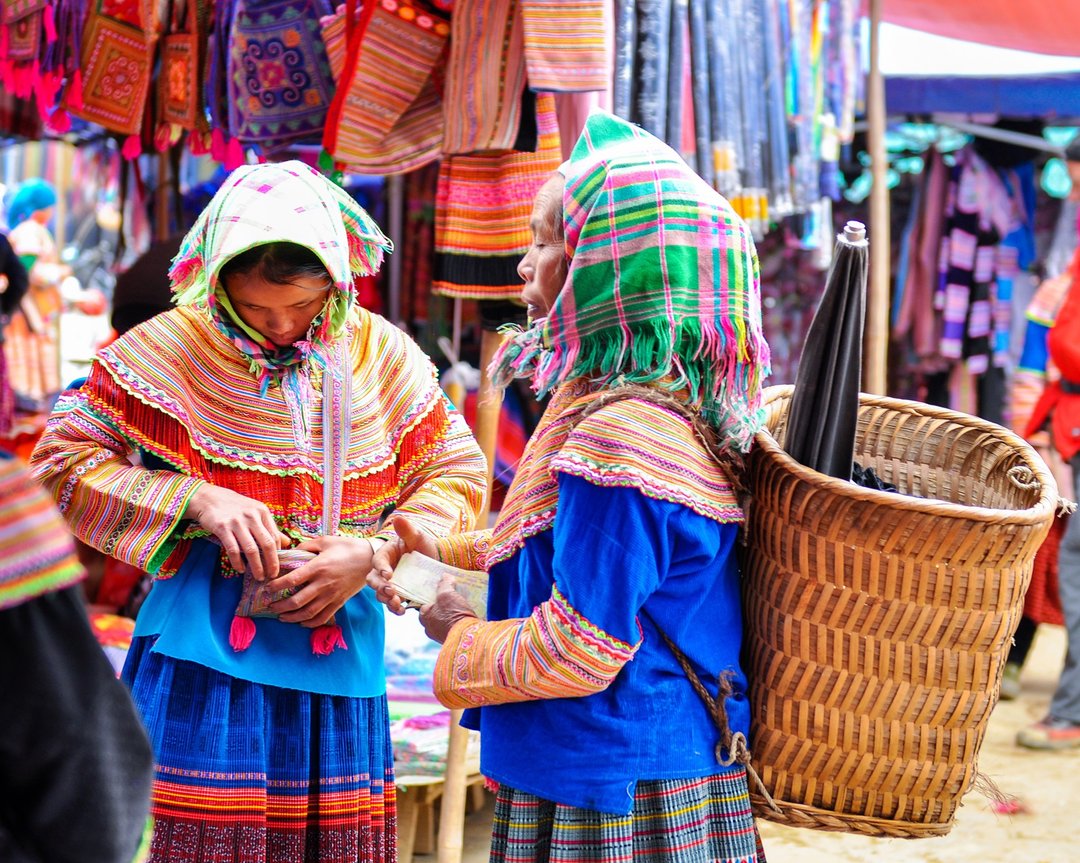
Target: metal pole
876	342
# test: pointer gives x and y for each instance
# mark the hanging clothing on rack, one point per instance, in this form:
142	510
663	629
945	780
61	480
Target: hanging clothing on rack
482	213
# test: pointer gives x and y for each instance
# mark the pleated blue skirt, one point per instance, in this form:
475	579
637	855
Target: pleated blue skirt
248	773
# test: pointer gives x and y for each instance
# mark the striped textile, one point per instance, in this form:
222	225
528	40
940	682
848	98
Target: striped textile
234	766
637	444
176	388
36	551
673	821
533	497
553	653
663	284
465	550
627	443
482	210
387	117
569	44
485	77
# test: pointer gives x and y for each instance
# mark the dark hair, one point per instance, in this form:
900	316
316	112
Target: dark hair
1072	150
277	263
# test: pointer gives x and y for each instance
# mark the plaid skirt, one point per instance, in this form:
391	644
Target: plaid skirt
673	821
248	773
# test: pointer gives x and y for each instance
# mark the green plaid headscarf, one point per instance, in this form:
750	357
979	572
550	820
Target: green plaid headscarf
662	285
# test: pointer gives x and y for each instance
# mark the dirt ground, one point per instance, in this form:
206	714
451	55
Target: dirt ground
1047	786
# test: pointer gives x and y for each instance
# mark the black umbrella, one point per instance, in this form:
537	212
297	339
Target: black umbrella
825	403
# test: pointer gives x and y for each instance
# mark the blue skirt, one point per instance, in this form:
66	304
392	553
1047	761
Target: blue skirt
248	773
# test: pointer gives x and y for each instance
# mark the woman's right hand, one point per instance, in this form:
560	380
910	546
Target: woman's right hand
243	526
409	538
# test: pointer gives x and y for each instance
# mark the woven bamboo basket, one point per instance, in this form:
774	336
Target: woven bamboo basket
877	624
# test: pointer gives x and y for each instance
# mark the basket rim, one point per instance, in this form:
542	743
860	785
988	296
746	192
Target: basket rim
1048	496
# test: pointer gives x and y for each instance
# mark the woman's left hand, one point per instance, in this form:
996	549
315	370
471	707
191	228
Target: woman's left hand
449	608
325	583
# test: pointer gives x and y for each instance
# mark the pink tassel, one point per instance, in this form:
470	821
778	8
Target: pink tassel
4	40
24	81
132	148
234	155
60	121
75	94
241	633
324	639
217	146
50	24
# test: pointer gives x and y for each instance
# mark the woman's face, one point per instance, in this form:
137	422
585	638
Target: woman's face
543	269
281	313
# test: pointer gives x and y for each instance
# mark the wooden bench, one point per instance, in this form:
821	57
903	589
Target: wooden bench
417	797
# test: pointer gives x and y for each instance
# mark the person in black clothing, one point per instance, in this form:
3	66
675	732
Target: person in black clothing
75	762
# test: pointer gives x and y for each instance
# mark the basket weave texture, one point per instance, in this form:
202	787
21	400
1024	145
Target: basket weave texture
877	624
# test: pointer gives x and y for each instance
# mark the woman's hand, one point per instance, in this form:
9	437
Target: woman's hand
243	526
449	607
409	538
325	583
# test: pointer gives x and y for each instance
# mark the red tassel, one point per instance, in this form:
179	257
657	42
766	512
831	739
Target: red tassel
325	639
241	633
75	95
198	144
132	148
50	24
162	136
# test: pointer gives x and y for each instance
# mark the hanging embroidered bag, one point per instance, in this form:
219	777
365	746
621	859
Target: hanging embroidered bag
387	114
279	82
117	62
179	81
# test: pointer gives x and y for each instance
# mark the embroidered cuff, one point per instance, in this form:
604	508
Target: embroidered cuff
553	653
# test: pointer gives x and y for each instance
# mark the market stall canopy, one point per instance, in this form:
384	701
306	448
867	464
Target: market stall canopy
1046	26
926	74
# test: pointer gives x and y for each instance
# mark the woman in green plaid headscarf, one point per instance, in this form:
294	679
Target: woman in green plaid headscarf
620	528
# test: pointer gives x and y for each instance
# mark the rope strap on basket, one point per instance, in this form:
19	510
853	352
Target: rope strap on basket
738	751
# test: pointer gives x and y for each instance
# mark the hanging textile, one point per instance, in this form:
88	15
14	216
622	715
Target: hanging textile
485	77
180	89
116	67
417	248
386	117
567	44
279	79
482	214
20	45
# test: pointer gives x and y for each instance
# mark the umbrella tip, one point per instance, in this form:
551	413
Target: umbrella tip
854	232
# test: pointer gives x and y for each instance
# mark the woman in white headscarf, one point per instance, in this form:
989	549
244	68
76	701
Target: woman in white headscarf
273	420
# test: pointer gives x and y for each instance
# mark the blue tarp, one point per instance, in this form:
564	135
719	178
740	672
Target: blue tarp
1054	96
